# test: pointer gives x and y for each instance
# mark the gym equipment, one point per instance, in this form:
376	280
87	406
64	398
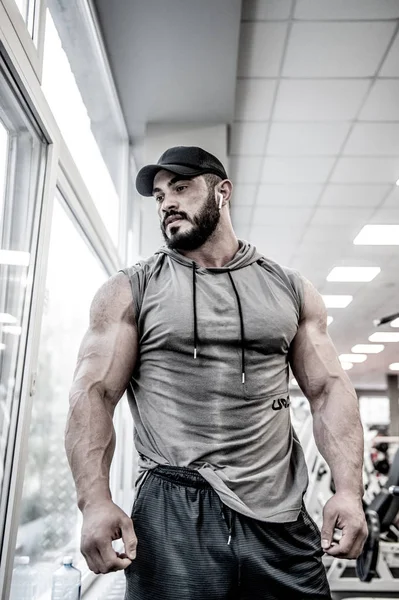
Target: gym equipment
377	569
366	564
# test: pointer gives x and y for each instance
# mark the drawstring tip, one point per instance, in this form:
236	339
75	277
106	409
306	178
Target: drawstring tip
243	378
229	540
195	352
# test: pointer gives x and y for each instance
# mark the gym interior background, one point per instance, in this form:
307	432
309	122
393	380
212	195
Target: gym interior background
300	99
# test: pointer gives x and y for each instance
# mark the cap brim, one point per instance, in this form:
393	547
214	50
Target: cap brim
145	177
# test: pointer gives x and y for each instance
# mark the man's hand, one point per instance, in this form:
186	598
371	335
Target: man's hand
102	524
344	512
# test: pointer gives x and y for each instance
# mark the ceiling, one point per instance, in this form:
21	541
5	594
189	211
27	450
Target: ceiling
173	61
314	129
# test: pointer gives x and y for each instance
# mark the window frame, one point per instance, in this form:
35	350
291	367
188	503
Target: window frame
33	45
18	52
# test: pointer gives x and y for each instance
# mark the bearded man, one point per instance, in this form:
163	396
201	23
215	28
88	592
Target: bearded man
202	335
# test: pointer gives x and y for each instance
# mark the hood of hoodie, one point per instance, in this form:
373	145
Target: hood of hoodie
246	255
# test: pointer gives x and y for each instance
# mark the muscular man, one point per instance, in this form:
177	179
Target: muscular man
202	335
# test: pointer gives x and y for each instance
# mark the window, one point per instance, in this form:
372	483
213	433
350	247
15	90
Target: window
70	111
29	10
50	521
3	163
374	411
26	8
22	163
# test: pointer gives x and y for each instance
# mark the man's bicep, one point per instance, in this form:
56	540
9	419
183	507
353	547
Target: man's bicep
313	357
108	352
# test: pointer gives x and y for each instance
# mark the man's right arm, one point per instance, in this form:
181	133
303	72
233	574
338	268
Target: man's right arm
106	360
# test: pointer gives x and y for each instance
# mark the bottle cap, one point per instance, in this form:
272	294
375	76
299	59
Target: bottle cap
21	560
67	560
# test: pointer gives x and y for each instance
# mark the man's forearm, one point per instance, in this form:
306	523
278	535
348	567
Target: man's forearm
90	445
339	435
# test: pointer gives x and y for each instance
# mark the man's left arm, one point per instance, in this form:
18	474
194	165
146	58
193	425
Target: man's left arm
337	427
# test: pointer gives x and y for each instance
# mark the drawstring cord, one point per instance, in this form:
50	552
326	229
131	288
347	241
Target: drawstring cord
242	332
195	311
229	516
241	327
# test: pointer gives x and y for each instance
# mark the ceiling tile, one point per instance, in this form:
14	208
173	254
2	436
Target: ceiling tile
261	47
273	215
327	100
373	139
241	231
240	215
245	169
386	216
390	68
264	235
288	195
381	254
336	49
347	9
392	201
248	138
243	194
296	170
353	217
366	170
383	101
254	99
306	138
331	236
266	9
353	195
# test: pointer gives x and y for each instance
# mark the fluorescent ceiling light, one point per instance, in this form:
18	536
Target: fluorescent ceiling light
2	346
395	323
6	318
368	348
13	257
397	182
13	329
353	273
346	365
384	336
353	358
378	235
394	367
329	320
337	301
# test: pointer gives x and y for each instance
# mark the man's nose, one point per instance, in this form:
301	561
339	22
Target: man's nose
169	203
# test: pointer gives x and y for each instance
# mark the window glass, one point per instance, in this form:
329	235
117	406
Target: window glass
50	521
22	163
374	411
3	163
27	9
65	100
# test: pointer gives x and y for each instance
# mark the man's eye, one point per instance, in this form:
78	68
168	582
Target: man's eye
179	188
159	199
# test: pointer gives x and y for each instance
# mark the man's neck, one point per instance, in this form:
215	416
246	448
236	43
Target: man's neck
215	252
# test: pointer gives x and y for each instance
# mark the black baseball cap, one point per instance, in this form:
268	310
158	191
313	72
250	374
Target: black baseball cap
182	160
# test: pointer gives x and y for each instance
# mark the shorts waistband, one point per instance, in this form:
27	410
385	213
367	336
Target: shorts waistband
181	476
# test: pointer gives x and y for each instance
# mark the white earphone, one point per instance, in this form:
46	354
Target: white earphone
220	201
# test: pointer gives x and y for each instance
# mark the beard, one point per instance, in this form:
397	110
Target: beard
204	224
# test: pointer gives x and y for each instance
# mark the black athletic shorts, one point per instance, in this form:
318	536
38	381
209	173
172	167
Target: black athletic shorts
192	547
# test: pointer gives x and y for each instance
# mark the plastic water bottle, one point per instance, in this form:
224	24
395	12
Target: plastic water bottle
66	581
24	580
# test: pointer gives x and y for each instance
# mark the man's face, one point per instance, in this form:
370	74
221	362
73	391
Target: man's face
187	210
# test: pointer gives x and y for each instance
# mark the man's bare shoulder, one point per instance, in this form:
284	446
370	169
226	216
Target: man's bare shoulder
113	302
314	309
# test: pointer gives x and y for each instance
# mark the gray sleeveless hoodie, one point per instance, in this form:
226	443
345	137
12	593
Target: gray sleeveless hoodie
210	388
